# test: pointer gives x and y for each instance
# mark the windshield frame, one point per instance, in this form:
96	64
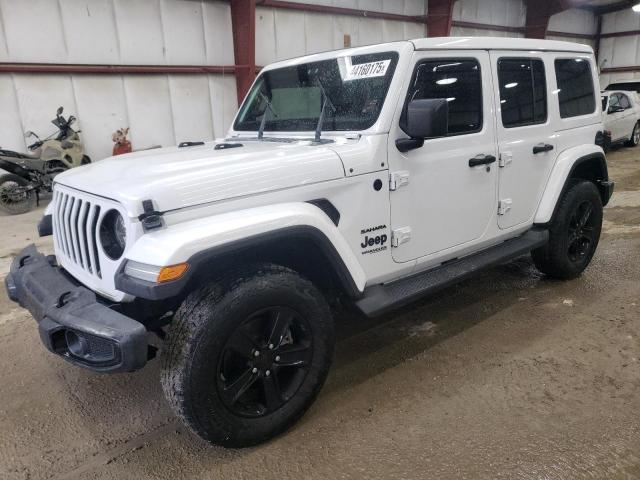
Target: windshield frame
399	51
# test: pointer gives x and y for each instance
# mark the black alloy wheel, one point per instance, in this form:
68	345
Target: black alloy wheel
265	361
581	232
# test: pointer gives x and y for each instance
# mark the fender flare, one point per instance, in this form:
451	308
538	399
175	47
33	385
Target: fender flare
202	242
568	163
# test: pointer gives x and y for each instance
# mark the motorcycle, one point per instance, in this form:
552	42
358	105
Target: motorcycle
30	174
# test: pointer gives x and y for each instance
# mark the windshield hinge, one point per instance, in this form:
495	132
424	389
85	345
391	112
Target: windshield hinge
398	179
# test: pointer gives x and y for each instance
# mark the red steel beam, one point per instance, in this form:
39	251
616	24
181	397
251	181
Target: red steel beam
113	69
243	22
354	12
439	18
538	15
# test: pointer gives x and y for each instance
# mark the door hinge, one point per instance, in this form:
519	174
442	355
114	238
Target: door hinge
504	206
505	159
400	236
398	179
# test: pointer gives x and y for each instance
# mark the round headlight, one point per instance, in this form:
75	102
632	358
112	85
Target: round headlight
113	234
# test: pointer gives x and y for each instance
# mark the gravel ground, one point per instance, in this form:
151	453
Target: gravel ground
509	375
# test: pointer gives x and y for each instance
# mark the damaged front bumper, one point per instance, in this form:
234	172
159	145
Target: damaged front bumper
72	321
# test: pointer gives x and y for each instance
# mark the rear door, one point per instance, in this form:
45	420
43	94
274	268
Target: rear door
526	140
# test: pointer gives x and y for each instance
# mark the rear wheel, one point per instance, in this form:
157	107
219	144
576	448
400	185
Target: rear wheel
16	195
635	136
246	356
573	234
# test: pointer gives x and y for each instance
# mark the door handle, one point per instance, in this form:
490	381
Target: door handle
481	160
542	147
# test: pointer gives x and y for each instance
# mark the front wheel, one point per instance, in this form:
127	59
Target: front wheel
247	355
16	195
635	136
85	160
573	234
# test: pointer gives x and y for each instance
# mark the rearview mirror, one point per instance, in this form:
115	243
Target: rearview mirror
59	111
425	118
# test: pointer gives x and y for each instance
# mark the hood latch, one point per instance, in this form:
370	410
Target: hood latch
151	219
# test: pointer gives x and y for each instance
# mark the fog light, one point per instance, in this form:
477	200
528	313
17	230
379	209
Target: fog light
77	346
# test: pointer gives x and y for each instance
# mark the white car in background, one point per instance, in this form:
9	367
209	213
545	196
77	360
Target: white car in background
621	116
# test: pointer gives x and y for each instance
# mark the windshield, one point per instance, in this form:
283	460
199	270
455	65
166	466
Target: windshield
356	86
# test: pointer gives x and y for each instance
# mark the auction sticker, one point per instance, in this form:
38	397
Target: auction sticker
368	70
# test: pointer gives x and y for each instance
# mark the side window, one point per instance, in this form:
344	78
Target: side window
575	85
457	80
624	101
615	100
523	91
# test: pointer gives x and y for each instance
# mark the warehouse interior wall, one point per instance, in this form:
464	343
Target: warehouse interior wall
159	109
167	108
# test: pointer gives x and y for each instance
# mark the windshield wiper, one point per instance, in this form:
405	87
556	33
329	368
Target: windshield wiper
267	109
326	102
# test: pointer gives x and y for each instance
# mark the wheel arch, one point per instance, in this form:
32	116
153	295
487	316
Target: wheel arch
583	162
307	242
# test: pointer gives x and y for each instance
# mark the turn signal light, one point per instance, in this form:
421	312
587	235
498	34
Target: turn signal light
172	272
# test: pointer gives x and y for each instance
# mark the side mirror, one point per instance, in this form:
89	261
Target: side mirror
28	134
59	111
425	118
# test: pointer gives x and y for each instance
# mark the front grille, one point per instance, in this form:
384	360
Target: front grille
75	230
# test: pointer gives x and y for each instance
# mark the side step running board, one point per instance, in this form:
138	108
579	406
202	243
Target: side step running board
379	299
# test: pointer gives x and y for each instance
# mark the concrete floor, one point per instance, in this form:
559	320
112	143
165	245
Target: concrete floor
509	375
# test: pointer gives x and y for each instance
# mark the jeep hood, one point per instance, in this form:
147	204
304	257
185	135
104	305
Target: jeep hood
181	177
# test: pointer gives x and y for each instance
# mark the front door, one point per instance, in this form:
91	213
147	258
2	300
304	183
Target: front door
526	138
444	194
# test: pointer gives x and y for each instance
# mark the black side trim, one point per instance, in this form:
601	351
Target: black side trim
45	226
327	207
379	299
189	144
202	261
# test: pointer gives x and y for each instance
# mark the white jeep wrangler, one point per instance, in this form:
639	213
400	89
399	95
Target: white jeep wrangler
371	175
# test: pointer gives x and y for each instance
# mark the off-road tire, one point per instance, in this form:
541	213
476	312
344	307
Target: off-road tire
554	259
16	208
196	338
634	139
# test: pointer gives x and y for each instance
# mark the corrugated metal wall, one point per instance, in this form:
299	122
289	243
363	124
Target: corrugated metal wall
282	34
619	51
506	13
160	109
574	21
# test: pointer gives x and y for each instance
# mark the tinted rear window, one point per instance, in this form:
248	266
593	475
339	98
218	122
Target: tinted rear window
575	85
523	94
